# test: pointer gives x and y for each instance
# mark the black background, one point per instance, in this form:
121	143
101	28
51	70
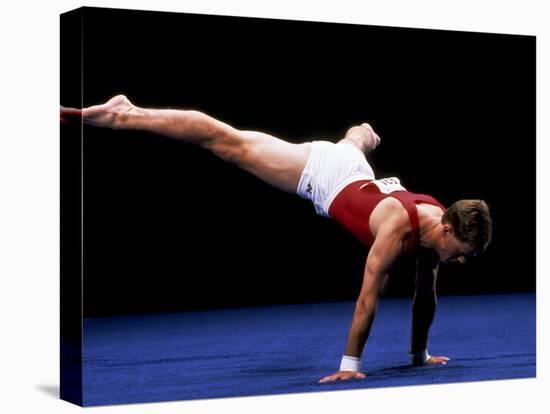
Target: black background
168	226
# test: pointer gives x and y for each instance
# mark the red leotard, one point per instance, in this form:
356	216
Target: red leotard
352	208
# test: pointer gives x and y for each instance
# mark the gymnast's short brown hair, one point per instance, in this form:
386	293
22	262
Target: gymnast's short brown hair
471	222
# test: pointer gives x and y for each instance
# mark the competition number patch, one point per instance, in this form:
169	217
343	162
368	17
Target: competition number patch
387	185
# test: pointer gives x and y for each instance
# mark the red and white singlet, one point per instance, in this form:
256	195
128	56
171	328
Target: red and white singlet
353	206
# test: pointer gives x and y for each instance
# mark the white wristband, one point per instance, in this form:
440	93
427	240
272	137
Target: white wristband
350	363
420	357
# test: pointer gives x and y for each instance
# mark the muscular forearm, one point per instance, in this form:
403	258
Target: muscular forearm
360	327
423	311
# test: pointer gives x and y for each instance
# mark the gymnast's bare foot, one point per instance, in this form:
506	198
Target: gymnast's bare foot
373	138
363	137
104	115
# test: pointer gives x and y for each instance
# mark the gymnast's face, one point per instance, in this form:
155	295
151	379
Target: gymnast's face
452	250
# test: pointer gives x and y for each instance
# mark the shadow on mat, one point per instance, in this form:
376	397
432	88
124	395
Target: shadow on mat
453	364
400	369
412	370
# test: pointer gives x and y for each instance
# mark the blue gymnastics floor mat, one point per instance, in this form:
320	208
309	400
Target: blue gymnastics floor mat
288	348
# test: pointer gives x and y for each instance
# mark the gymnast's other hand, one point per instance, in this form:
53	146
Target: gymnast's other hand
437	360
343	376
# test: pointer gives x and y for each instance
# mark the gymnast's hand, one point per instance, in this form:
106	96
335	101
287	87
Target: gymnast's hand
432	360
104	115
437	360
343	376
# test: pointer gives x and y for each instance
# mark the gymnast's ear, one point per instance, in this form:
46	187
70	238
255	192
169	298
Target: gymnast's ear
447	230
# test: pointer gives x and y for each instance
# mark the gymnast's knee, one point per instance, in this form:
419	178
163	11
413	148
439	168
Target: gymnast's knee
230	152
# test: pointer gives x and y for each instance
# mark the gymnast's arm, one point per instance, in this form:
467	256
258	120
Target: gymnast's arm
384	252
423	311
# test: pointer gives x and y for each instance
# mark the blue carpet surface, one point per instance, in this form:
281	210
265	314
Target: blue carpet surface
288	348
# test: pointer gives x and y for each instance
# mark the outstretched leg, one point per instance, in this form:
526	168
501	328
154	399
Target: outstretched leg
273	160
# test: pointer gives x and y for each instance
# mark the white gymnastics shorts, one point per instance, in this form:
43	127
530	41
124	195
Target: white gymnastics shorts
329	168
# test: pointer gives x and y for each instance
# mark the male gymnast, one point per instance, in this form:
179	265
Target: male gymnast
341	184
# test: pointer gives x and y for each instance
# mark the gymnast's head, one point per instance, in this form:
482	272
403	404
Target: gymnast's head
467	230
